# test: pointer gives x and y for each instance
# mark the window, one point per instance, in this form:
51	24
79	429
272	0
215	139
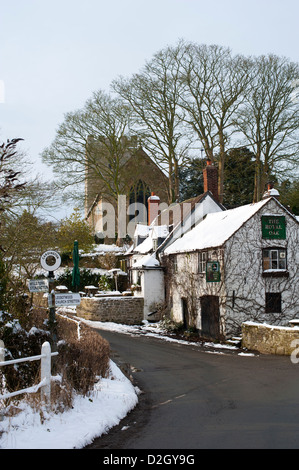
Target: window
202	261
138	196
275	259
175	264
273	302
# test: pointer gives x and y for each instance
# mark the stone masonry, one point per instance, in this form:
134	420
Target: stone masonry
268	339
126	310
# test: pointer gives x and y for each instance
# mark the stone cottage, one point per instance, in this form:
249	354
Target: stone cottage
237	265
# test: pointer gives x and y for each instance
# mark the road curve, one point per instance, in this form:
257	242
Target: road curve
192	399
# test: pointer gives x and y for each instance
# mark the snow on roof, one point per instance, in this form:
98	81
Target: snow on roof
145	246
102	249
271	192
215	229
160	231
129	250
117	271
141	230
148	261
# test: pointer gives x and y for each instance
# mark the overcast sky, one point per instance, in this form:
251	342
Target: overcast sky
54	54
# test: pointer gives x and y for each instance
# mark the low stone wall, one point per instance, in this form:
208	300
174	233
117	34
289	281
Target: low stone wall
269	339
126	310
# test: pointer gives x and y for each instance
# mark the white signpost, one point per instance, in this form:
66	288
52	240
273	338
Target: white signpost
62	300
50	261
52	256
38	285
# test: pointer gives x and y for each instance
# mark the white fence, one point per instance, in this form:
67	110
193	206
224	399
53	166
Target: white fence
45	375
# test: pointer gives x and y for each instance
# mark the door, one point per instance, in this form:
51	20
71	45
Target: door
210	316
185	313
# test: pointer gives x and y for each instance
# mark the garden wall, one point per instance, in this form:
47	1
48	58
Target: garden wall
126	310
269	339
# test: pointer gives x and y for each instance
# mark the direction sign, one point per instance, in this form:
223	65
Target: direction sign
38	285
53	264
62	300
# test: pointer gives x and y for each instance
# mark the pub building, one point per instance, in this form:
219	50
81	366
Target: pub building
235	266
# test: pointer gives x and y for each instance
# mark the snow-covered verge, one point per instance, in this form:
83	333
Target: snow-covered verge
112	399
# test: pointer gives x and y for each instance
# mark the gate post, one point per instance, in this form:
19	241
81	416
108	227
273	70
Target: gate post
46	373
2	351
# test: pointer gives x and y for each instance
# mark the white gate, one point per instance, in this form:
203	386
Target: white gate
45	376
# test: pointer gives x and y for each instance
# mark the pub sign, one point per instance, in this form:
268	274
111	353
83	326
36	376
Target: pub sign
274	227
213	271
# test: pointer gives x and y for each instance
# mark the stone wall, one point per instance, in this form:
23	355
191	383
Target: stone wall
268	339
126	310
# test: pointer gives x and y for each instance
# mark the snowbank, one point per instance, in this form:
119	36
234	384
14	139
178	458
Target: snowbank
112	399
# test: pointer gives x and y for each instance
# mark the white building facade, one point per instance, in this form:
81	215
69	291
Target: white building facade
235	266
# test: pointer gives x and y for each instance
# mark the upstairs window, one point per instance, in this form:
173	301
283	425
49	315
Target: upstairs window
274	259
202	261
175	264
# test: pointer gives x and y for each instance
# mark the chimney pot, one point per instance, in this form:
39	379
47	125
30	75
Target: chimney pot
271	192
210	179
153	207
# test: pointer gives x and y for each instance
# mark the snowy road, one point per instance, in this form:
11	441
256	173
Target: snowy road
197	400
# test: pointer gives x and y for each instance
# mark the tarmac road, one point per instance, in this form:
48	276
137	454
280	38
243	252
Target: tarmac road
192	399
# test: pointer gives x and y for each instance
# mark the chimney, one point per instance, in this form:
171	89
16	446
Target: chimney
271	192
210	179
153	207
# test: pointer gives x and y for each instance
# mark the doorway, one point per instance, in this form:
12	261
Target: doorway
210	316
185	310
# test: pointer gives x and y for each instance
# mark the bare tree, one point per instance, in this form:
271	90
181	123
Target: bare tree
25	237
269	119
10	183
154	95
9	177
91	141
215	83
185	92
